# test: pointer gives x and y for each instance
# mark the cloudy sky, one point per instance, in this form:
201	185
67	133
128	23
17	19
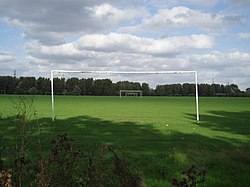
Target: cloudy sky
211	37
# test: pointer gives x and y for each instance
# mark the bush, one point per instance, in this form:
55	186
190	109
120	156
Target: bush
67	166
192	178
60	169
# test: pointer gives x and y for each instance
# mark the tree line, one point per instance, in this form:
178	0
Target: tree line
89	86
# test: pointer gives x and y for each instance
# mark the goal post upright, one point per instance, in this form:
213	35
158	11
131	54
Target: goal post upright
131	91
52	94
127	72
196	97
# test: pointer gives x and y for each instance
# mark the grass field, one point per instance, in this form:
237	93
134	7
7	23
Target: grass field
159	135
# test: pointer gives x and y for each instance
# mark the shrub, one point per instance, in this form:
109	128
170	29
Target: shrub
192	177
67	166
27	136
60	169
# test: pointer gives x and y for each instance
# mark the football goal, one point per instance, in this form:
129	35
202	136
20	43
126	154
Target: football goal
130	93
126	73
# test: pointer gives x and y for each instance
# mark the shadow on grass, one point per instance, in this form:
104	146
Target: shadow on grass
232	122
158	154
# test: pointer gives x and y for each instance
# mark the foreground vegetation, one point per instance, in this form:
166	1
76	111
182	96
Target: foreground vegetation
158	136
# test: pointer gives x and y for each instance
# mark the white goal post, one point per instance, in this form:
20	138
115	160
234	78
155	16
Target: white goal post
126	72
132	92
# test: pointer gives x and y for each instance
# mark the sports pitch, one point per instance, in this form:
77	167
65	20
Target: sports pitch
159	135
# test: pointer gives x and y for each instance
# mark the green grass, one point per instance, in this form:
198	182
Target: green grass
158	135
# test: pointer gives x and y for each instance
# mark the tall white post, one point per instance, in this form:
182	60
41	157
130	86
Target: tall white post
52	95
196	97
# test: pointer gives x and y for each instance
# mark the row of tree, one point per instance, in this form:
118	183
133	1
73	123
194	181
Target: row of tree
89	86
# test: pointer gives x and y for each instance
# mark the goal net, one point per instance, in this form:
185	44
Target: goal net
124	83
130	93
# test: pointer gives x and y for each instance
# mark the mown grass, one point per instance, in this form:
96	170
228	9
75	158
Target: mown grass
159	136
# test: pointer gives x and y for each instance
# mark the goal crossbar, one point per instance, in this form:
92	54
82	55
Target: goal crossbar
131	91
126	72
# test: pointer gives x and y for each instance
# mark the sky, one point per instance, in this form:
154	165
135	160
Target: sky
211	37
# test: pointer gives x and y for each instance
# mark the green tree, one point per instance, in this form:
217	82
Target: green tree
26	83
192	89
152	92
82	85
89	85
8	84
102	87
234	88
176	89
160	90
212	90
203	89
168	90
71	83
108	87
123	85
59	85
145	89
248	92
185	89
77	90
223	89
33	91
136	86
19	90
217	88
43	85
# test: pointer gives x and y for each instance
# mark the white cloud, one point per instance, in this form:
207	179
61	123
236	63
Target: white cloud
56	21
14	22
111	52
115	15
10	62
231	66
6	56
134	44
217	59
63	50
100	48
53	29
110	57
178	17
244	35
